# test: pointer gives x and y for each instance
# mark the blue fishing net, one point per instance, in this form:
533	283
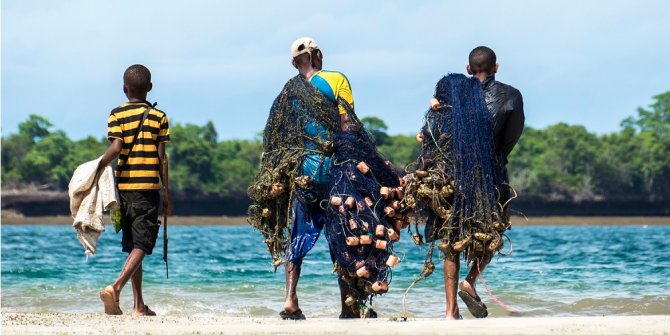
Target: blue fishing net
361	221
458	188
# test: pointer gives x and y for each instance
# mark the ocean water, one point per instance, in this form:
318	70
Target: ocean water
552	271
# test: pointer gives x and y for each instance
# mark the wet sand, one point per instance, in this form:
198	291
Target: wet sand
14	219
48	323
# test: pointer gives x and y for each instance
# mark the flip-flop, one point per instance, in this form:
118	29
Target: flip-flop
475	305
110	301
146	312
297	315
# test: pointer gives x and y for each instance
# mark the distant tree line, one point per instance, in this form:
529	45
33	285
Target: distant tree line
561	162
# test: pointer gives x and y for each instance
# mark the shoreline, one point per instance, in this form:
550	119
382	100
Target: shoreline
18	323
14	219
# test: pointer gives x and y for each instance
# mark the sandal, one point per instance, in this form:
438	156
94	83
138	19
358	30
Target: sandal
297	315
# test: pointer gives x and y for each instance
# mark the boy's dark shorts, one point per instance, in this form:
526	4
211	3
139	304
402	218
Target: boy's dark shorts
139	220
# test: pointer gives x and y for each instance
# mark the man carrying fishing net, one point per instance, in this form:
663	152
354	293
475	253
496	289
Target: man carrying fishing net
296	164
460	186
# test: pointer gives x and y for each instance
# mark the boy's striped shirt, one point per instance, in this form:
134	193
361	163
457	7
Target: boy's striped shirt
140	172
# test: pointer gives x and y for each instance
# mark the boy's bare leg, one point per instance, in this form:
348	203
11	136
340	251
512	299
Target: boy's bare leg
451	269
139	308
292	272
110	294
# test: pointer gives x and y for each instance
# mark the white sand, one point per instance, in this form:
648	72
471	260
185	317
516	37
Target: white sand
16	323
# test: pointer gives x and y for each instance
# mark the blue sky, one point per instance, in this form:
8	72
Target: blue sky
581	62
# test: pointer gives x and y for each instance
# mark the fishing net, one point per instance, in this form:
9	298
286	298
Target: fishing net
364	213
297	136
459	187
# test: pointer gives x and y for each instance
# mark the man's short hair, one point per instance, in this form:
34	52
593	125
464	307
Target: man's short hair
137	78
482	59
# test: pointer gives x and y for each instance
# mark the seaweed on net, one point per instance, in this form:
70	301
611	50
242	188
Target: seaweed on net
459	188
301	122
361	226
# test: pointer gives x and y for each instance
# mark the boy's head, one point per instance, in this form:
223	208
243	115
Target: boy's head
482	61
137	82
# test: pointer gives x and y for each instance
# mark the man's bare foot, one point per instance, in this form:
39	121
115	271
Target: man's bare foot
144	311
465	286
469	296
456	316
110	299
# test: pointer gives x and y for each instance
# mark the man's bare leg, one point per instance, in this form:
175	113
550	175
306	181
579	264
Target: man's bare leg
468	285
451	269
292	272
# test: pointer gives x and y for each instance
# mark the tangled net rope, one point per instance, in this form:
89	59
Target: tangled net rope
300	125
364	216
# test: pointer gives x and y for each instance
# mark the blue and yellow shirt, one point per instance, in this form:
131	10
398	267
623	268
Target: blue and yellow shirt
333	85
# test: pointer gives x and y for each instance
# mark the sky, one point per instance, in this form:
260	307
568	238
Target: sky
591	63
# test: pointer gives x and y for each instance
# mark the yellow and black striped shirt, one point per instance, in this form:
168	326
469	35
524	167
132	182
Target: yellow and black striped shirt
140	171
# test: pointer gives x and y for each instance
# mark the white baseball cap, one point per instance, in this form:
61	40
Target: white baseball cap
303	45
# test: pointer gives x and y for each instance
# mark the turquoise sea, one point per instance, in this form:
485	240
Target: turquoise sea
225	270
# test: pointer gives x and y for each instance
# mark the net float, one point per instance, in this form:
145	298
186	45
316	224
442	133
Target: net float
342	210
392	260
385	192
350	301
352	241
395	204
402	181
365	239
418	239
380	286
276	189
369	202
398	192
381	244
393	235
421	173
363	272
352	224
428	268
350	202
460	245
434	104
399	225
388	211
389	165
363	167
483	236
419	137
380	230
335	201
495	245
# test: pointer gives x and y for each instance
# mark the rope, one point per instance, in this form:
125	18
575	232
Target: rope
493	297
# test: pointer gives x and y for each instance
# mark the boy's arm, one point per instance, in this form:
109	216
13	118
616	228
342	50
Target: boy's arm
163	161
112	153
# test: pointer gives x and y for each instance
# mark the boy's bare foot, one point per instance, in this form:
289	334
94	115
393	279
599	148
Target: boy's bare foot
110	299
145	311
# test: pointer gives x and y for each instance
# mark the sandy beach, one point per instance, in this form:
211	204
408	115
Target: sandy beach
13	323
11	218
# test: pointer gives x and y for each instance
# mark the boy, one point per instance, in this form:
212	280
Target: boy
138	133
